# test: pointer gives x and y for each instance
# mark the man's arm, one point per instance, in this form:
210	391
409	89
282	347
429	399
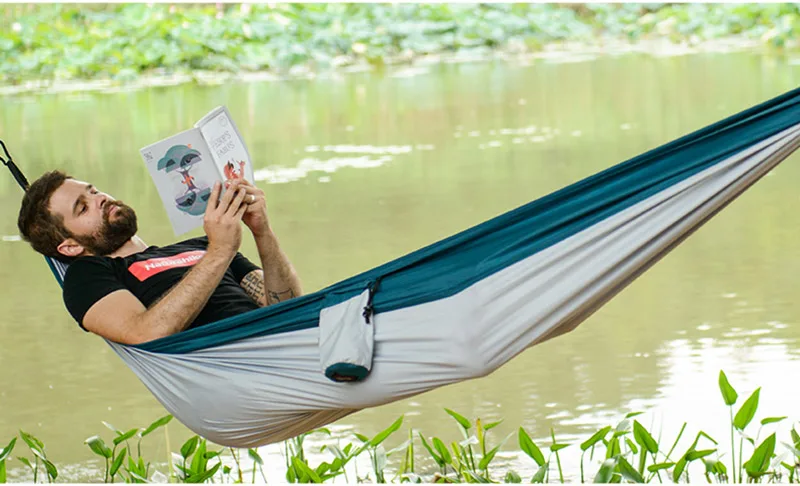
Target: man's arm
122	318
279	281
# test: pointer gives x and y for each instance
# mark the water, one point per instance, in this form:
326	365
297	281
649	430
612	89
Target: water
362	168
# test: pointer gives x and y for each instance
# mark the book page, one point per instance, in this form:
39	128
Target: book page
184	173
225	142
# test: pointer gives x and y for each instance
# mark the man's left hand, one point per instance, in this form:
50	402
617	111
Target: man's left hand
255	217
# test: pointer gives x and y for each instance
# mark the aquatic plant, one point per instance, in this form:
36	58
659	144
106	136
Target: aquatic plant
123	41
622	452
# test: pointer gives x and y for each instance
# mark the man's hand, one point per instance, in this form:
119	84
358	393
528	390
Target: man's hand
255	217
221	221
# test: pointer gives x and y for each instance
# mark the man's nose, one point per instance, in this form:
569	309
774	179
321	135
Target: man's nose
101	200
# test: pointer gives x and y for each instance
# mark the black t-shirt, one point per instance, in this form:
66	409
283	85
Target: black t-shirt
152	273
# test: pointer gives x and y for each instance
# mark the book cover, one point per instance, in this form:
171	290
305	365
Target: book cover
185	166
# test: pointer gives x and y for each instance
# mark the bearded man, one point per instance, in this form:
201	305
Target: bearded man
120	288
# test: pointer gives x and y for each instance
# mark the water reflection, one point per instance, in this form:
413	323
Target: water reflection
360	169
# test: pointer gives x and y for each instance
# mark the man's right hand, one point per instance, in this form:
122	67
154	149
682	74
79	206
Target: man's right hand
222	219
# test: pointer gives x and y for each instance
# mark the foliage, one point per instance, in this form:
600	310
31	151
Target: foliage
123	41
625	452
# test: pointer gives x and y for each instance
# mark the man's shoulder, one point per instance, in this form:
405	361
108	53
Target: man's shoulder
88	264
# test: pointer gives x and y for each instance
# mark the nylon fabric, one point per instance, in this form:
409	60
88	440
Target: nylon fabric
451	265
268	388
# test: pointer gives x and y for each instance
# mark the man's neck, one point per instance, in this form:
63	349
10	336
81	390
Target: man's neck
134	245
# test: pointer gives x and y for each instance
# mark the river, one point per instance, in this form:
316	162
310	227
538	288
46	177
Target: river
361	168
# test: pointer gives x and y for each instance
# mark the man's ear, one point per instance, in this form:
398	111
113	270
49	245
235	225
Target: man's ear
71	248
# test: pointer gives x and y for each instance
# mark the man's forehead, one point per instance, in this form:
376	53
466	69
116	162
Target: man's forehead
64	197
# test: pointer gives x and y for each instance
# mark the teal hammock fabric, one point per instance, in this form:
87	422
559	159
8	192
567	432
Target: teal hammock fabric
446	267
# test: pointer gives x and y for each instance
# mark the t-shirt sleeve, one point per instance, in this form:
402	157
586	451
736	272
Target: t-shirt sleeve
241	266
87	281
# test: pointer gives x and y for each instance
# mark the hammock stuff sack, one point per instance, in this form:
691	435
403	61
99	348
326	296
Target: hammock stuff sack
462	307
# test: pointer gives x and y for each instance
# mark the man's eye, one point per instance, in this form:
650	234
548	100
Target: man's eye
83	210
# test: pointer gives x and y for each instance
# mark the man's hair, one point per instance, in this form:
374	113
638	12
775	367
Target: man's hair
37	224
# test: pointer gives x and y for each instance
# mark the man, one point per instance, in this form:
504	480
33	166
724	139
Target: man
125	291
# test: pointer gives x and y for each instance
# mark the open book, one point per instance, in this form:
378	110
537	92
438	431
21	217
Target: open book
185	166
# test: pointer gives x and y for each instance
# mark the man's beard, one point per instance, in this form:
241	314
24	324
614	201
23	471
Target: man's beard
113	234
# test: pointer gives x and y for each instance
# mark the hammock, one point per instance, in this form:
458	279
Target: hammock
462	307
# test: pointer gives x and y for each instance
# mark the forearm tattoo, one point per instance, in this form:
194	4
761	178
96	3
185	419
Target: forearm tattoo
253	285
275	297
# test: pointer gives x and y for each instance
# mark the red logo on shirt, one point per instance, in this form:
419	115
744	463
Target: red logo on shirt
147	268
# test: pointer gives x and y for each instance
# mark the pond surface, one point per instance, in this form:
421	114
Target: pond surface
362	168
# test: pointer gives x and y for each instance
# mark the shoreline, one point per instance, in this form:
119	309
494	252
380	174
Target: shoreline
403	65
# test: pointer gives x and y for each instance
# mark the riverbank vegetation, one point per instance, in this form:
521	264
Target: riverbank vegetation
121	42
622	452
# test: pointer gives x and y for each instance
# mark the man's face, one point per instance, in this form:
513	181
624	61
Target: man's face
97	222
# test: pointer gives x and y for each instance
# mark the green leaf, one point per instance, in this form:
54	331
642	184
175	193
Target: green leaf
25	461
361	437
679	468
301	466
205	475
189	447
436	457
694	455
594	439
728	393
492	425
99	447
629	472
488	458
2	472
606	471
6	451
643	438
291	475
386	433
199	462
633	414
462	421
558	447
512	477
117	463
51	469
747	412
529	448
660	466
632	446
772	420
795	438
127	435
256	457
759	461
33	443
158	423
540	474
442	450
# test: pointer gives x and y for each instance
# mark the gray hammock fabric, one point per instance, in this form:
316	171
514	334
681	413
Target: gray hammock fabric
462	307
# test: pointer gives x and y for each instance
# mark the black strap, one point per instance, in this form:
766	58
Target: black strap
18	175
369	310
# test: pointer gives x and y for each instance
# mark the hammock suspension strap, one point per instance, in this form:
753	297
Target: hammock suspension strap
9	162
